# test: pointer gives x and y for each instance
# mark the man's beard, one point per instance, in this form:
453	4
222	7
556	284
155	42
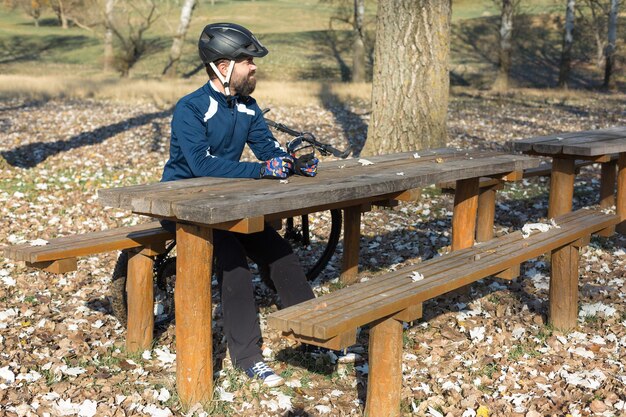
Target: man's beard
244	86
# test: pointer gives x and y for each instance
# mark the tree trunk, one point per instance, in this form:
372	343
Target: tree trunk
506	35
568	40
358	48
108	35
176	51
411	76
609	80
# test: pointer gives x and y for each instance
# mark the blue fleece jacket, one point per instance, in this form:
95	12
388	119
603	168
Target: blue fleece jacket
209	134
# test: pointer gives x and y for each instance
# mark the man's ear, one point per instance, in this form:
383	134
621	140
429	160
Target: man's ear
222	66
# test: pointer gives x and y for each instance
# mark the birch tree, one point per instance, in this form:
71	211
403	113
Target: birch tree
411	76
358	48
176	51
507	12
568	40
609	79
109	57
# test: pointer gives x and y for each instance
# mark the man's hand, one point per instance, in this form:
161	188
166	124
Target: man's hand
306	165
279	167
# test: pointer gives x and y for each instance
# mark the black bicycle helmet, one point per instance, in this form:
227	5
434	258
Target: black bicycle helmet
228	41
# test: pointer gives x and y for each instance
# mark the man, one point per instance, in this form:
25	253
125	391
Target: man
210	128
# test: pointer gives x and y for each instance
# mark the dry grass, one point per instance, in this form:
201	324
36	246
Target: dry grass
167	92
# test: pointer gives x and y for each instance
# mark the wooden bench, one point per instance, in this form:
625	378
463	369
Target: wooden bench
489	187
145	241
386	301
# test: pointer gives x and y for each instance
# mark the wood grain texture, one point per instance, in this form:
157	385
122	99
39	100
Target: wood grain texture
194	341
140	302
486	213
607	184
384	382
621	193
561	187
210	201
362	303
351	244
464	215
90	243
564	287
585	143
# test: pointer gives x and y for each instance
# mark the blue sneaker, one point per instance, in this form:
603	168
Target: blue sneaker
263	372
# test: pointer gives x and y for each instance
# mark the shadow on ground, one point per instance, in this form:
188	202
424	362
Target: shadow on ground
32	154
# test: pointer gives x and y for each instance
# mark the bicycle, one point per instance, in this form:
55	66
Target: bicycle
164	269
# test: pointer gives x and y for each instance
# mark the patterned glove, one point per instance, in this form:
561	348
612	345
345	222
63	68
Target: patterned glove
279	167
306	165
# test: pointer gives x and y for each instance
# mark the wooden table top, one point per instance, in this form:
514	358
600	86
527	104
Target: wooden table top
588	143
211	200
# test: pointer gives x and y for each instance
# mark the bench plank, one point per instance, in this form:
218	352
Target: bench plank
90	243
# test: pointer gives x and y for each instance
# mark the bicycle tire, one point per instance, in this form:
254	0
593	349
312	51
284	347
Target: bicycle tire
303	236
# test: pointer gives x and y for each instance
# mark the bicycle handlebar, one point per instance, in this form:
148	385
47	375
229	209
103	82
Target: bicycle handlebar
324	148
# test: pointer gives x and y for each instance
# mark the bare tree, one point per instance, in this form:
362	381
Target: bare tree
81	13
593	15
508	9
139	16
352	12
609	80
411	76
568	40
109	58
170	69
358	48
33	8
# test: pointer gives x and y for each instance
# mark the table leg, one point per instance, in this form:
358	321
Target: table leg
607	184
607	192
621	193
464	214
384	382
486	214
194	343
561	186
563	311
140	302
351	240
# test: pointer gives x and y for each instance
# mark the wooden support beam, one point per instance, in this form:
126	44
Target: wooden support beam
351	242
413	194
248	225
410	314
561	187
607	191
194	341
339	342
607	184
140	302
621	193
384	383
510	273
59	266
563	312
486	214
464	215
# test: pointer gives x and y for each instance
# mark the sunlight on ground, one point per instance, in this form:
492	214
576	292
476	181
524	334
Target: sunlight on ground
167	92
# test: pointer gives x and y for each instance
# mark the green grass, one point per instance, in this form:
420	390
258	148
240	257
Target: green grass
296	32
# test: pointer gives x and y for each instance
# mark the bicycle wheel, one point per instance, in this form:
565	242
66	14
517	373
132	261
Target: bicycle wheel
315	244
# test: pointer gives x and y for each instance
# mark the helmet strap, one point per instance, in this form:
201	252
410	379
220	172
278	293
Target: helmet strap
224	80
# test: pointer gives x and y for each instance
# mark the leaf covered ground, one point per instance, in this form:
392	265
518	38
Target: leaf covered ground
489	352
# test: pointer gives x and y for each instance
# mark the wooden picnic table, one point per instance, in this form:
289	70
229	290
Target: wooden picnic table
200	205
592	145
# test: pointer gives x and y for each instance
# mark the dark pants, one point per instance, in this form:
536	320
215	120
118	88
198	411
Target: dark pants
241	322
